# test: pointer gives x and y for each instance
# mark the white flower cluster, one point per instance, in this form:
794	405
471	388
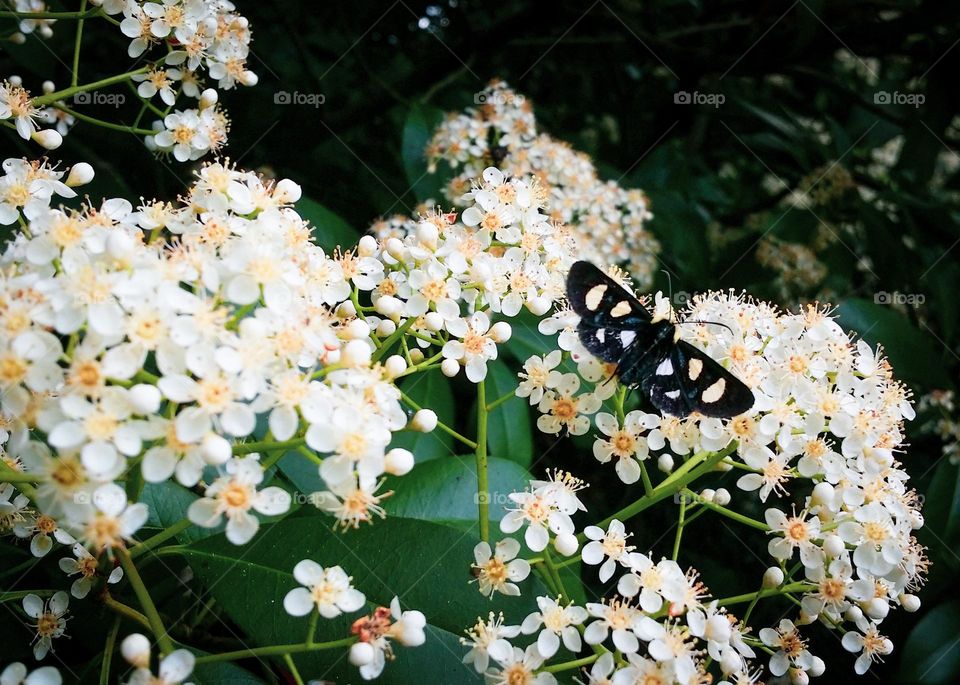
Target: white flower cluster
200	39
817	448
661	627
607	220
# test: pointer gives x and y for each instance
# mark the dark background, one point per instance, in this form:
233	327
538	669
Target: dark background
603	75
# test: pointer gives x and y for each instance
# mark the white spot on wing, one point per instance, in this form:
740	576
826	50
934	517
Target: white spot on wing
601	335
672	394
665	368
695	368
622	309
627	337
594	295
714	392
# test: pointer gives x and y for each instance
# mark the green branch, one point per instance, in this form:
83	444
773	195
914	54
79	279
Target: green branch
146	602
275	650
483	482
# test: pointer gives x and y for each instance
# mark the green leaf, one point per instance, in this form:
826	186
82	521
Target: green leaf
930	654
417	131
425	564
508	425
430	390
445	491
331	229
168	503
211	674
916	356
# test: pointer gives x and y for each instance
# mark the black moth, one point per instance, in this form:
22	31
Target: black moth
678	378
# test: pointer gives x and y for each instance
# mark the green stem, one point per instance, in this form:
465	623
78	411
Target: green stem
288	660
145	546
75	72
570	665
275	650
104	124
729	513
50	98
14	595
18	477
268	445
645	477
554	572
442	426
108	652
680	524
500	400
394	337
801	586
127	611
483	483
146	602
6	14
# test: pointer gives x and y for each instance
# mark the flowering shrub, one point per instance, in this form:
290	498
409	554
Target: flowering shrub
241	443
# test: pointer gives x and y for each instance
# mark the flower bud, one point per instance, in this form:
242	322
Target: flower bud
539	305
48	139
799	677
357	329
833	545
665	463
216	449
135	648
566	544
823	494
708	494
145	399
361	653
416	356
817	667
394	365
772	577
367	247
395	248
722	497
80	174
287	191
248	78
208	98
48	86
398	461
388	306
386	328
423	421
450	367
17	38
433	321
428	234
877	609
346	310
15	80
355	353
500	332
909	602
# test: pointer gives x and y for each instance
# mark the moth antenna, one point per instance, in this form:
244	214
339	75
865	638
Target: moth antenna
669	284
714	323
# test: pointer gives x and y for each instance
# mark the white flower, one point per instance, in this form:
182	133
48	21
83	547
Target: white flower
558	622
624	621
51	621
42	530
376	631
520	666
539	512
562	408
327	589
111	520
234	494
174	668
606	548
791	648
626	443
183	134
871	645
499	570
798	533
539	374
488	640
86	566
476	346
